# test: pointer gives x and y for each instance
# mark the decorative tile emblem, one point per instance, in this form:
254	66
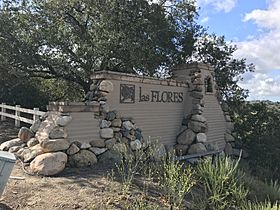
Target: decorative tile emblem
127	93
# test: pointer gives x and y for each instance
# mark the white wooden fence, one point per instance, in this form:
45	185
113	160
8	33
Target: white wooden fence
17	110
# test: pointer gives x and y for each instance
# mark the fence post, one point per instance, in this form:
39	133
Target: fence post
35	116
17	113
4	111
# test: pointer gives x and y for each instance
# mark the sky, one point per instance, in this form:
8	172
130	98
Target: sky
254	26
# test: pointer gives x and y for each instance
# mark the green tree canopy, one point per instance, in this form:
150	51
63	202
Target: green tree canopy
68	40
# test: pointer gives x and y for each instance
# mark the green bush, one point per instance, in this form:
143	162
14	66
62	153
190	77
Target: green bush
176	182
259	206
221	183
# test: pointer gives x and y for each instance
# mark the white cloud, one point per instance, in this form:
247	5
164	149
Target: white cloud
263	51
218	5
263	86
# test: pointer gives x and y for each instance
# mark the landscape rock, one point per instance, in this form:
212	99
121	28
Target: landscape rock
83	158
57	133
230	127
186	138
54	145
198	127
98	143
198	118
135	145
197	148
181	149
32	142
110	157
196	94
35	126
32	152
97	150
110	143
11	143
73	149
25	134
85	145
159	152
106	133
49	164
15	149
229	137
128	125
120	147
106	86
117	123
63	120
105	108
116	129
105	124
201	138
228	149
110	115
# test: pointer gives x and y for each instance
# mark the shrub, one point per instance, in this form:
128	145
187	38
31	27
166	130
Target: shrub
220	180
176	182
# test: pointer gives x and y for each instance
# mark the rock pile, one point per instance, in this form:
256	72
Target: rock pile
193	135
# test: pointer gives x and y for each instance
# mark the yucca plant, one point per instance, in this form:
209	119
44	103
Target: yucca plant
220	180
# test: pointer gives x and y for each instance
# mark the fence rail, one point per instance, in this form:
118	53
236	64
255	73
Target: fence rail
17	110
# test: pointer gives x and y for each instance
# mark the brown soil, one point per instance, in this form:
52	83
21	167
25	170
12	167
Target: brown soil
88	188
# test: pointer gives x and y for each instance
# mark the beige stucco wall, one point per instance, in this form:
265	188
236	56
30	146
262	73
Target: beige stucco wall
158	108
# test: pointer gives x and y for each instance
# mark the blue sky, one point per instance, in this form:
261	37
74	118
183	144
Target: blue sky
254	26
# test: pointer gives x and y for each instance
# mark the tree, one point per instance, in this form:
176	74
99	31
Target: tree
68	40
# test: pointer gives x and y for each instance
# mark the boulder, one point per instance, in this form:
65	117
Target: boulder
32	152
198	118
106	86
15	149
97	150
110	143
98	143
120	147
35	126
8	144
25	134
227	118
104	124
104	108
83	158
159	152
106	133
186	138
49	164
181	149
197	148
117	123
111	115
228	149
198	127
32	142
110	157
63	120
116	129
85	145
135	145
128	125
54	145
57	133
201	138
229	137
230	127
196	95
73	149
